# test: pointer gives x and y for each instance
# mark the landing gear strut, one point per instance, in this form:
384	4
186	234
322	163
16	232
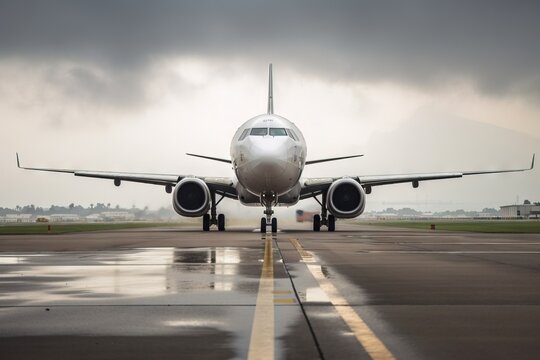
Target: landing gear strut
213	218
268	200
324	219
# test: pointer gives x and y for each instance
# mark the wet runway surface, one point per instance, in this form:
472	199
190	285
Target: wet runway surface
361	292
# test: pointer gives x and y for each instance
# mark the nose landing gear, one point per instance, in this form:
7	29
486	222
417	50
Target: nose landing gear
268	200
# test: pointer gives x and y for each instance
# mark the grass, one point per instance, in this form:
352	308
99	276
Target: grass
485	226
42	228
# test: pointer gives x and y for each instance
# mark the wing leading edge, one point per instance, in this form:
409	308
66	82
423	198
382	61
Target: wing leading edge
309	162
156	179
376	180
223	186
315	186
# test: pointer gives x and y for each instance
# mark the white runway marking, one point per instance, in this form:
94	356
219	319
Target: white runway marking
371	343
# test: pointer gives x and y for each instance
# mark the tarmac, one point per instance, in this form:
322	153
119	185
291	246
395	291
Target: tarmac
361	292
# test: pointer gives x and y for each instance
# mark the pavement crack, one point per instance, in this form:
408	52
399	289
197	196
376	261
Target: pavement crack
311	330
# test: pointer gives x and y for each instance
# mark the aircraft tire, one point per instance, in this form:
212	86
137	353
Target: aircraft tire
206	222
317	222
221	222
331	223
263	225
274	225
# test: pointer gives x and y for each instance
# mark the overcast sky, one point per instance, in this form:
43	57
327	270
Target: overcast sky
132	85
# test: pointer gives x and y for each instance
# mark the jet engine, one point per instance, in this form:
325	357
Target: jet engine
191	197
345	198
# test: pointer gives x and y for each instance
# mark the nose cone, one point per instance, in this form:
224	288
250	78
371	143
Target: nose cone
266	166
268	146
270	168
269	157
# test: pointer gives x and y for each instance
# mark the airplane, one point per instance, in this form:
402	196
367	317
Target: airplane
268	154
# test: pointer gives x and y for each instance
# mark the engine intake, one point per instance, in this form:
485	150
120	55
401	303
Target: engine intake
191	197
345	198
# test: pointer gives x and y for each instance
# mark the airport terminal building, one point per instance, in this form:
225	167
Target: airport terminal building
524	211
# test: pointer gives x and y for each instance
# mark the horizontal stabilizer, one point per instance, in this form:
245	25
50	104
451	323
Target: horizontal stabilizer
211	158
331	159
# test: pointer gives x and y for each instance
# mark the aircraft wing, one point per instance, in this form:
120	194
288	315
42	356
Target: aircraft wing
223	186
314	186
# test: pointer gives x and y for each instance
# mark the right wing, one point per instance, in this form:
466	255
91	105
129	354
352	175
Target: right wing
376	180
222	186
315	186
309	162
210	158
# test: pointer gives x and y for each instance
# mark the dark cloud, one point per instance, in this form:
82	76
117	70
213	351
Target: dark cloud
96	86
423	43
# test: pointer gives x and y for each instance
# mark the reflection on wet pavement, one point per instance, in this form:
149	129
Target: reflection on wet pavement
144	295
150	275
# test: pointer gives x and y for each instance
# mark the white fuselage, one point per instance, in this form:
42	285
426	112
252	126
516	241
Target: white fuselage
268	153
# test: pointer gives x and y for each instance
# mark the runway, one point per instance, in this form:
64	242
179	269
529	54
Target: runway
359	293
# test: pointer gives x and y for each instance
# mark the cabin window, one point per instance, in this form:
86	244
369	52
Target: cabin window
244	134
259	131
278	132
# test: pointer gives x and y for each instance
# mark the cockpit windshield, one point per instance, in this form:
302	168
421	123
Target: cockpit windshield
267	131
292	135
259	131
244	134
278	132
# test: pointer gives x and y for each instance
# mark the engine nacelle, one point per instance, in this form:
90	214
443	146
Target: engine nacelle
191	197
345	198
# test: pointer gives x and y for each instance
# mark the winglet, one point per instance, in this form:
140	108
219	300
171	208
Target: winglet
18	162
270	91
532	163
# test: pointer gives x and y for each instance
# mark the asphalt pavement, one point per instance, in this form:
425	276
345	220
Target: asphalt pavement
361	292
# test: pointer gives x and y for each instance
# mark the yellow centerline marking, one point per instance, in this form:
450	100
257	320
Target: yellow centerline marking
367	338
261	345
285	301
277	292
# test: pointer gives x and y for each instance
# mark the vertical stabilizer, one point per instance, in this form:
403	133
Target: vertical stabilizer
270	91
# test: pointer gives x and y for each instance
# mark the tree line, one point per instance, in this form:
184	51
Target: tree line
80	210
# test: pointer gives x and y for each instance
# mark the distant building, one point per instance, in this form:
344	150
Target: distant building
94	218
64	217
117	216
524	211
17	218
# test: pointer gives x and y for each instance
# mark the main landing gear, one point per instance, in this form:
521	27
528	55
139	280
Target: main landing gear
324	219
212	219
268	200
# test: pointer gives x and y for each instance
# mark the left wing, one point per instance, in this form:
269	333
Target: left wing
222	186
314	186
